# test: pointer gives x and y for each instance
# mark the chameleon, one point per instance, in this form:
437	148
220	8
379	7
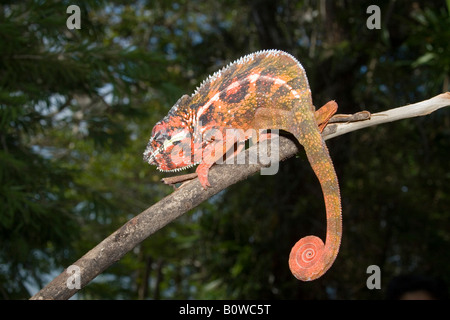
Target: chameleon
266	89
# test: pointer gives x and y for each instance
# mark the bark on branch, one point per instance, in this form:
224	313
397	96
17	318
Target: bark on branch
115	246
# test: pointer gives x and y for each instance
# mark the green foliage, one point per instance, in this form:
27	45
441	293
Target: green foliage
77	108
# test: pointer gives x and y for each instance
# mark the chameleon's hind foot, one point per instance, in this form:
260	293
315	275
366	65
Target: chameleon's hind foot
358	116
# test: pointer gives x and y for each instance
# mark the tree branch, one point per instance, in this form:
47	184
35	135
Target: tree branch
418	109
191	194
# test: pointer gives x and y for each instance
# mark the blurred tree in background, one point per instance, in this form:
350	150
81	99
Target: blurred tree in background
77	108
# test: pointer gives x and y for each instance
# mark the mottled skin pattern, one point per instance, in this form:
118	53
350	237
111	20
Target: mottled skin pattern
263	90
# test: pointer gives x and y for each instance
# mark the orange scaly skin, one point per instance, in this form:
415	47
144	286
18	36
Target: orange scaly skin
264	90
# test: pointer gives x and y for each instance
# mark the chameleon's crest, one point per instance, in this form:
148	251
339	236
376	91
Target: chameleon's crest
242	61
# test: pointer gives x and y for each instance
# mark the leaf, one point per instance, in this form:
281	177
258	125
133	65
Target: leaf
424	59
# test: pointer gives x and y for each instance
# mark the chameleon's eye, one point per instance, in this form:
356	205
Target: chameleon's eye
160	137
159	133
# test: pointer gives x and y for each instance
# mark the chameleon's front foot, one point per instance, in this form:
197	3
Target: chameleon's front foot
202	172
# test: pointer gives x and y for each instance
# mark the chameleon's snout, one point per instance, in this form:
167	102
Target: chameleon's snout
150	153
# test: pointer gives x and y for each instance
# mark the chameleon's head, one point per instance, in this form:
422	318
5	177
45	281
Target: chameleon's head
171	145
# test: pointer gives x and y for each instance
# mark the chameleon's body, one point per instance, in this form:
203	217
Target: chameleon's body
263	90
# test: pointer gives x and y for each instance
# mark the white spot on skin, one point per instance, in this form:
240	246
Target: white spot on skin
234	85
177	137
280	82
252	78
295	93
208	104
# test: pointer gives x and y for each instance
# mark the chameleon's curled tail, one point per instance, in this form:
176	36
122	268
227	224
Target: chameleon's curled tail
310	258
306	259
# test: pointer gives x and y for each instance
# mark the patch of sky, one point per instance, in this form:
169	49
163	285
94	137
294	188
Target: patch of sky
363	69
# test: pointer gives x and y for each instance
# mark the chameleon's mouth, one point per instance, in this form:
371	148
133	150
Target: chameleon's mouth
177	169
150	155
